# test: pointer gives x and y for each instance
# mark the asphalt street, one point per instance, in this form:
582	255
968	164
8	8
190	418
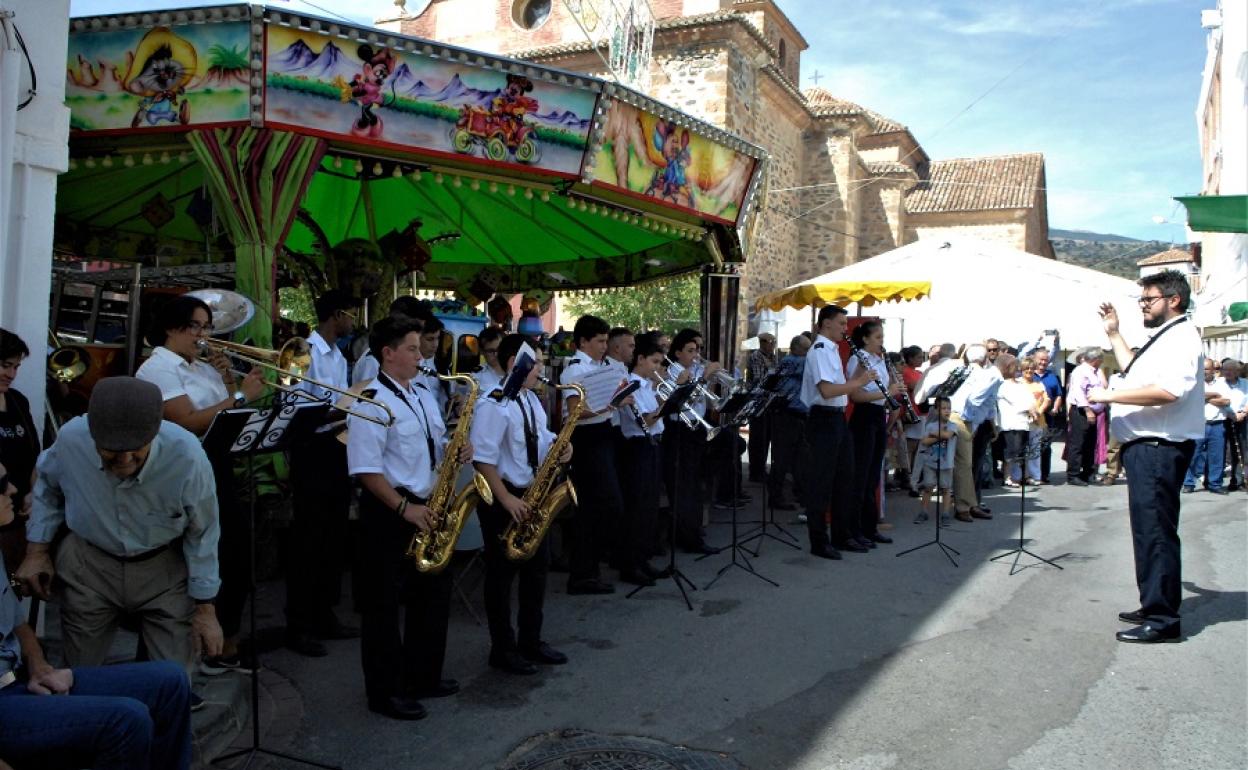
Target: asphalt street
871	662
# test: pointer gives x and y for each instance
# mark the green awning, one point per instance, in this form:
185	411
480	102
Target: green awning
1216	213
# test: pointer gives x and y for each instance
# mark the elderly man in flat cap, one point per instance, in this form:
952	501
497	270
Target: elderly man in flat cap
137	496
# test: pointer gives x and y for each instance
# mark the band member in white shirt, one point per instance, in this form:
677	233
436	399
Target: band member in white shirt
600	505
194	392
828	480
640	466
1158	415
322	495
867	426
511	442
490	374
684	448
397	469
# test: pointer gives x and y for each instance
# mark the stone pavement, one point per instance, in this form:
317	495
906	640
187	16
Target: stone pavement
871	662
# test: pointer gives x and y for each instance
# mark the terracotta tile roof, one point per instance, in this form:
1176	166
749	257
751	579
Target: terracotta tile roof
887	167
977	184
1167	257
678	22
823	103
885	125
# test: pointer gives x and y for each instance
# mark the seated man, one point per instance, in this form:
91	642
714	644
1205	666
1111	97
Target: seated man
130	716
138	498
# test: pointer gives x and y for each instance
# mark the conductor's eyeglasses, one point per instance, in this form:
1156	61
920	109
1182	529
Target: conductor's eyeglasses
1148	301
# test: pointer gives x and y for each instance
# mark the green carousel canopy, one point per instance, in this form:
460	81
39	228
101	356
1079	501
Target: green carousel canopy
1216	213
266	136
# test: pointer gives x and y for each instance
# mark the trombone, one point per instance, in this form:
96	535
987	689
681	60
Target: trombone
289	362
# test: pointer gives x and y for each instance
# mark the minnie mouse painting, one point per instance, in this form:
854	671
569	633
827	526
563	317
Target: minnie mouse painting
368	90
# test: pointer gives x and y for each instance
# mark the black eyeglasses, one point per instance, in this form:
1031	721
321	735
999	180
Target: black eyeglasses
1148	301
197	327
994	350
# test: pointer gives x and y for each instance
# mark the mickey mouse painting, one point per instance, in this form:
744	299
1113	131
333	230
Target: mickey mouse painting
670	180
158	71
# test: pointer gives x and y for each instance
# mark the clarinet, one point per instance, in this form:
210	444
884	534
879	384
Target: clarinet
909	415
889	401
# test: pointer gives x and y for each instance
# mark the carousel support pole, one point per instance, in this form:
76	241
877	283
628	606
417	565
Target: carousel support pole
721	297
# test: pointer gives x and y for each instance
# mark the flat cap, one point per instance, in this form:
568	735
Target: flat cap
124	413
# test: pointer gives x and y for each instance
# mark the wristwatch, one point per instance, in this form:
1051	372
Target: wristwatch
239	398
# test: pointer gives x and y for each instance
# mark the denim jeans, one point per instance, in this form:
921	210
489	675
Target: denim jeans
124	717
1209	460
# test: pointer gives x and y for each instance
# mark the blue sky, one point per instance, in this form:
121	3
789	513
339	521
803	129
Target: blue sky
1106	89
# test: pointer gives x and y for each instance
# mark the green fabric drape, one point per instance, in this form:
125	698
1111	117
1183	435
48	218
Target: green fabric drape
1216	213
257	177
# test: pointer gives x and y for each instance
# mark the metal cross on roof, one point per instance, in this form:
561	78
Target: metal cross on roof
816	77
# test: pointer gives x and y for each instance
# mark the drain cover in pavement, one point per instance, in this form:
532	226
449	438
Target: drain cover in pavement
569	749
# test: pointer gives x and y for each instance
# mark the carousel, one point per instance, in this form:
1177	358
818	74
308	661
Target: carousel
246	148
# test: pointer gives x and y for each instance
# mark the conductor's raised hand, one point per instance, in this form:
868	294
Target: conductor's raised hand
1109	318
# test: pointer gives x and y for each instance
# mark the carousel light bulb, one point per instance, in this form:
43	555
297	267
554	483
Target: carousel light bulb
359	166
493	187
107	162
90	163
476	184
376	169
545	196
337	161
528	193
438	178
164	158
398	172
416	174
511	190
128	162
73	165
147	159
571	203
457	182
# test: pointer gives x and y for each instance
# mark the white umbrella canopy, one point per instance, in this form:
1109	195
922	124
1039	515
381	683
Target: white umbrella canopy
982	289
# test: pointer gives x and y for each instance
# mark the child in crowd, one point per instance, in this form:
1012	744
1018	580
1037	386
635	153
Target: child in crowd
935	460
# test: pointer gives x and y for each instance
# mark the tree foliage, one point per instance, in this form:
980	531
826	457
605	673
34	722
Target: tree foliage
669	307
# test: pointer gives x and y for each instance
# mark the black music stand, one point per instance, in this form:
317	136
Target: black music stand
247	433
940	505
672	406
775	404
735	413
1018	552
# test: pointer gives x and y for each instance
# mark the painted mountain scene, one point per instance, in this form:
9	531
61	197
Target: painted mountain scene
163	77
380	95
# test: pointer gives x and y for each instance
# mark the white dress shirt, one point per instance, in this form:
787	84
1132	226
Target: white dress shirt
198	380
1218	388
329	366
498	435
647	402
487	380
933	378
366	368
400	452
579	365
1237	393
823	364
878	365
1175	364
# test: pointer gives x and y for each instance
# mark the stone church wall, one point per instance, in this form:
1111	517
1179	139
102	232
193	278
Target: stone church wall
883	216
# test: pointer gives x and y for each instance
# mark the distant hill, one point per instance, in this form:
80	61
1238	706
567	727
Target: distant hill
1088	235
1112	254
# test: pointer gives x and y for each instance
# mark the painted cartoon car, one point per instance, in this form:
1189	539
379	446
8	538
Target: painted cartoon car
500	130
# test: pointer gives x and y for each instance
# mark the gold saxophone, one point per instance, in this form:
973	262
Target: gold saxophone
549	493
448	511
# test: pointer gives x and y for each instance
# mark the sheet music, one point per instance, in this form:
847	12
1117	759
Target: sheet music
601	384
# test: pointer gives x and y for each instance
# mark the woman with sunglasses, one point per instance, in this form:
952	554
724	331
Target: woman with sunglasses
194	392
19	443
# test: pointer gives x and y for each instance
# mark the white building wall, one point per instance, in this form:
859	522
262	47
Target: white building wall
1224	89
34	149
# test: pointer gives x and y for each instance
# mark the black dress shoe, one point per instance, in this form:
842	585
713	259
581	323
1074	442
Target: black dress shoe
397	707
635	577
543	653
336	631
512	662
1134	616
826	552
852	546
444	688
589	587
1148	635
650	571
303	643
878	538
864	542
1076	482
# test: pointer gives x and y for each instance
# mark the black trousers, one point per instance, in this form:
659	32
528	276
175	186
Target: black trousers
1081	451
641	472
234	548
1236	438
318	544
761	438
399	660
601	505
866	425
786	443
828	479
683	449
1056	430
980	470
1155	471
501	572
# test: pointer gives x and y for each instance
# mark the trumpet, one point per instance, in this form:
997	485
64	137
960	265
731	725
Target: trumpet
687	414
289	363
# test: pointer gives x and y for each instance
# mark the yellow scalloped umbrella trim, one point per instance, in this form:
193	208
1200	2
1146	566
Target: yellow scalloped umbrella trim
866	293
